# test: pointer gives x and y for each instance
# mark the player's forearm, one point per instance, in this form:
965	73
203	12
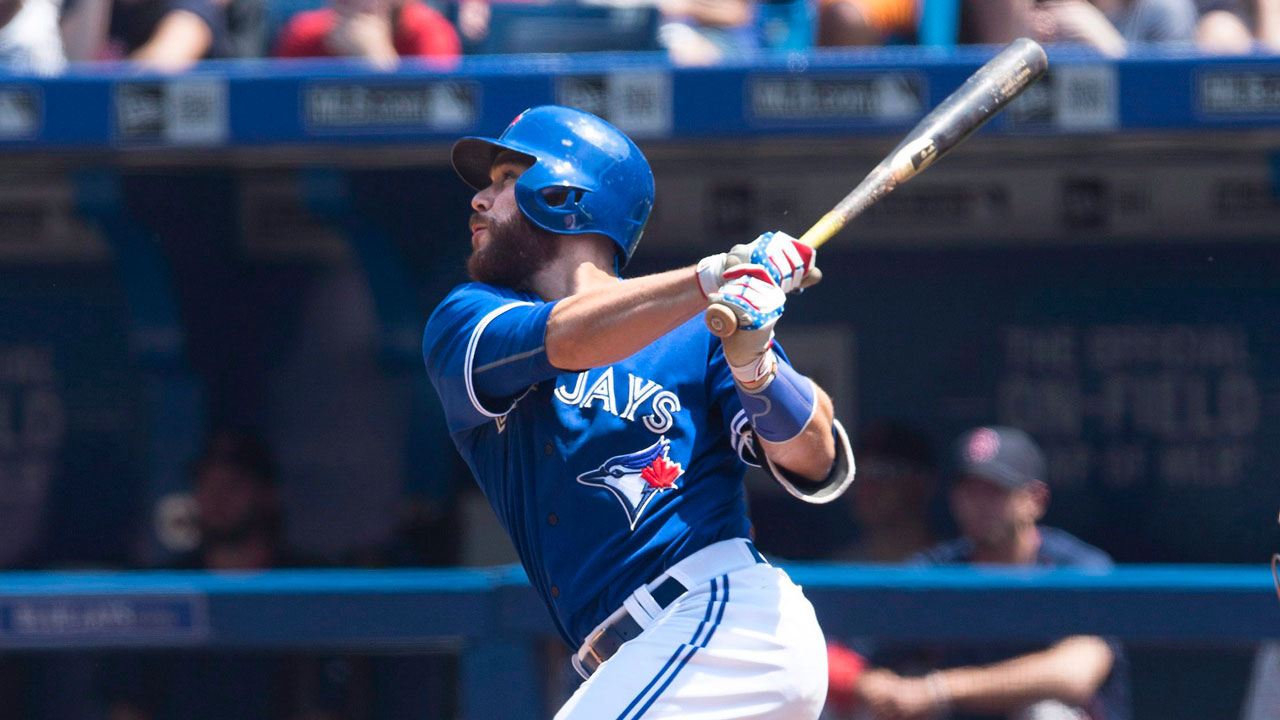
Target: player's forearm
609	323
811	453
1071	671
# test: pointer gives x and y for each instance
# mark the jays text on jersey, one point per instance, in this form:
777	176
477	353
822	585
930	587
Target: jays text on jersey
603	478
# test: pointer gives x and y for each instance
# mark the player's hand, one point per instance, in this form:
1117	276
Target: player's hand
757	301
888	696
791	263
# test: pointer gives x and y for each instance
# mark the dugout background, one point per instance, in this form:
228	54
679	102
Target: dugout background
1114	293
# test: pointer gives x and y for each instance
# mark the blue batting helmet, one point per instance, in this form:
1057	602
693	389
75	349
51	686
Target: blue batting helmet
586	177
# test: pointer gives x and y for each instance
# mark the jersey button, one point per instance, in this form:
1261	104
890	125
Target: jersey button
552	519
547	449
555	591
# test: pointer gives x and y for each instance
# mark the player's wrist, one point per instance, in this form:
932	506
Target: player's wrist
753	373
939	693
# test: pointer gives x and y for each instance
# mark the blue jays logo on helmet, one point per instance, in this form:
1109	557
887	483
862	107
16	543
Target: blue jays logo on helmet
586	177
636	478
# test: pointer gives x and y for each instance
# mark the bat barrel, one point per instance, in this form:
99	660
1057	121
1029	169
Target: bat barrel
978	100
975	102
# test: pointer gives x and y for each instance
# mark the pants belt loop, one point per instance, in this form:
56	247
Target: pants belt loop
641	606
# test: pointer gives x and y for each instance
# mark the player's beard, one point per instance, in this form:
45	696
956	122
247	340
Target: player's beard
516	250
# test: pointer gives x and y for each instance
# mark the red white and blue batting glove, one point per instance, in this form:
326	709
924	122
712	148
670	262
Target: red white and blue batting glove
791	263
757	301
787	260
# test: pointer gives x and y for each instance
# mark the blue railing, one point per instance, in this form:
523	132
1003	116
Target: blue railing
265	104
493	618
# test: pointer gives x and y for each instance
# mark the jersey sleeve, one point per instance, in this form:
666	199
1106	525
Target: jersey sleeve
743	439
483	350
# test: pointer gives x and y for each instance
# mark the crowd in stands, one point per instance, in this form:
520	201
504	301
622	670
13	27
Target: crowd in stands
42	36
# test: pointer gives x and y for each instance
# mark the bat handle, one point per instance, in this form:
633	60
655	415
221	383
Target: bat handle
721	321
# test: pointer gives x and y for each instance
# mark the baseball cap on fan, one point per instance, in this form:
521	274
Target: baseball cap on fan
1004	455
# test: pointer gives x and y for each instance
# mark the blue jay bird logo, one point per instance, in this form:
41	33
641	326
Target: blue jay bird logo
636	478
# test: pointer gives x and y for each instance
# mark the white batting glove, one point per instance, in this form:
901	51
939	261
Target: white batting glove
757	301
791	263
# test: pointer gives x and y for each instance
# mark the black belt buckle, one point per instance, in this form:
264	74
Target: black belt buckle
608	640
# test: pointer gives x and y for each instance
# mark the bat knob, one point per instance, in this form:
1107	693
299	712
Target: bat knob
721	321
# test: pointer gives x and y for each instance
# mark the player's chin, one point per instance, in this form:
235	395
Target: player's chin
491	266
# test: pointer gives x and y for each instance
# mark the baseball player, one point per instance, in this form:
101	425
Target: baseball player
610	430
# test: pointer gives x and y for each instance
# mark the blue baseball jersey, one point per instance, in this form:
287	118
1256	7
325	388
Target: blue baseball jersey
603	478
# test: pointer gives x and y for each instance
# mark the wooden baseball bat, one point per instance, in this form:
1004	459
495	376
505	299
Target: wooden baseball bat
984	94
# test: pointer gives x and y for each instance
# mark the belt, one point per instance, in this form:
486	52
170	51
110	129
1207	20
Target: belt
639	609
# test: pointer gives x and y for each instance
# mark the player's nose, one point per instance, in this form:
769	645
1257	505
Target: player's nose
482	201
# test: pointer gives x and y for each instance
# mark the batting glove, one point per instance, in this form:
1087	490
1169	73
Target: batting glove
757	301
791	263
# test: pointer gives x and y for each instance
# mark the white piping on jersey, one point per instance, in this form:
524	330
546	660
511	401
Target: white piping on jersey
738	439
471	357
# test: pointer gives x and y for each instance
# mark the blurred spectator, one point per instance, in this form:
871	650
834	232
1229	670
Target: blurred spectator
241	524
380	31
703	32
169	35
1152	21
1108	26
1076	22
1233	26
1262	700
890	500
865	22
30	40
1267	20
1222	27
473	19
993	22
998	498
238	507
247	33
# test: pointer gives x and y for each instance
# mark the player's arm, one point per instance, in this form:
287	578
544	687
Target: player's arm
811	453
1071	671
790	415
607	324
